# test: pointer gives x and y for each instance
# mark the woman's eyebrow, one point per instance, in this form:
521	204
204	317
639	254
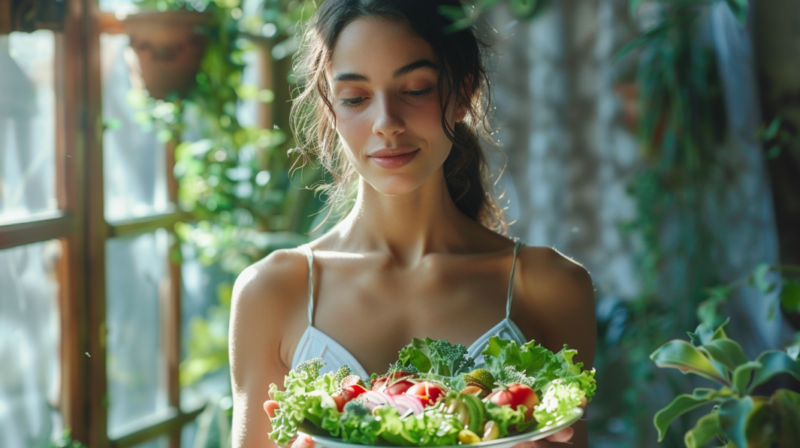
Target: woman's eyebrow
414	66
422	63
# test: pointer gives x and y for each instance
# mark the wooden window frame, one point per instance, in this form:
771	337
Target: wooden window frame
82	229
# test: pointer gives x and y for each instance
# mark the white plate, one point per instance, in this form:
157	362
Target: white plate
505	442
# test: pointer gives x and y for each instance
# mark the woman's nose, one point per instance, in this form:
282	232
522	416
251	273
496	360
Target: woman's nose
388	122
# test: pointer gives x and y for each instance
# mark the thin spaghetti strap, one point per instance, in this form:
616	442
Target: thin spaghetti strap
310	256
517	246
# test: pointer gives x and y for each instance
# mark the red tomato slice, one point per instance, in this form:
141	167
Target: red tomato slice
515	395
428	393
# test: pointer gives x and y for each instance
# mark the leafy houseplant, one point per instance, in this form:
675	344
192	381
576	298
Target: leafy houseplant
738	418
233	178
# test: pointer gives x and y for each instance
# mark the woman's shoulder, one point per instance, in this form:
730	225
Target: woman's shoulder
557	293
548	272
268	283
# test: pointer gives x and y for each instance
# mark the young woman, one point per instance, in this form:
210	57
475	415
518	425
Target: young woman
395	106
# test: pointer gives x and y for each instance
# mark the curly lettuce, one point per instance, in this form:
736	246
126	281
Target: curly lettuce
559	399
431	428
538	363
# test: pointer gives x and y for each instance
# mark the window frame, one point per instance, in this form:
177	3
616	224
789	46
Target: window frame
80	225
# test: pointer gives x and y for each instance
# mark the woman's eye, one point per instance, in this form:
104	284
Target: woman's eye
352	102
419	93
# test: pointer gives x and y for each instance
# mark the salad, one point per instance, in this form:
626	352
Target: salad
434	395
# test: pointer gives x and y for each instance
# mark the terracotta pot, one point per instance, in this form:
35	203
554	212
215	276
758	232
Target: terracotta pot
169	49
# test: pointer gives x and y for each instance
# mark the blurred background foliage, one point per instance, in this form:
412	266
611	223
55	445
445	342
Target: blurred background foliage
244	201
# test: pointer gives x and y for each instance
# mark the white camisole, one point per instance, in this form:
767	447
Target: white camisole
315	343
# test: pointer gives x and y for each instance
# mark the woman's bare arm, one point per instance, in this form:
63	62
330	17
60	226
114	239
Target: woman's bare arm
264	300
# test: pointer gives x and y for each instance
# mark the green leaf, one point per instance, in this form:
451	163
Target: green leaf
794	350
733	414
727	352
742	376
790	296
760	279
685	357
680	405
705	333
786	407
774	362
703	432
772	129
774	151
452	12
739	8
641	40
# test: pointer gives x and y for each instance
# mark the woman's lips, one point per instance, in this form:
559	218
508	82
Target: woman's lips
394	157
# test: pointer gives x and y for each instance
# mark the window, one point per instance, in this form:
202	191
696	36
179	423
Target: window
90	298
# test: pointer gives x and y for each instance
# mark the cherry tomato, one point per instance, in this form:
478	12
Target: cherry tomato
515	395
398	387
340	402
353	391
428	393
347	394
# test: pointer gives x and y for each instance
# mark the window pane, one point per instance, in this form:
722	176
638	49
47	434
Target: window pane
205	310
29	345
136	272
158	443
27	124
134	161
188	434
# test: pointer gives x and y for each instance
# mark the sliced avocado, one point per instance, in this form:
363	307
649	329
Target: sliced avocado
476	413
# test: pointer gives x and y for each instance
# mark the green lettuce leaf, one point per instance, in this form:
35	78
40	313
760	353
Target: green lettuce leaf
538	363
508	420
357	425
559	399
431	428
317	407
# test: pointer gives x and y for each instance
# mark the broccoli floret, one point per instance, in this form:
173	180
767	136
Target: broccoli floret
311	367
448	359
342	373
356	408
399	367
510	374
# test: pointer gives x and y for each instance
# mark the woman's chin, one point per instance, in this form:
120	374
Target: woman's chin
396	185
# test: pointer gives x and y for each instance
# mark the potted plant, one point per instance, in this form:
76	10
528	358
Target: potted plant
170	46
738	419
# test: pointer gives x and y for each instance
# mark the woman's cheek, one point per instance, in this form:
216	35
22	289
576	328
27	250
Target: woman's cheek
354	130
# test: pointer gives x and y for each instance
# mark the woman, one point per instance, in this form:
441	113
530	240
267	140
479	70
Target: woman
397	106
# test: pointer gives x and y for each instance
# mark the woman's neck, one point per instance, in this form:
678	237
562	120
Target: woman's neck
408	226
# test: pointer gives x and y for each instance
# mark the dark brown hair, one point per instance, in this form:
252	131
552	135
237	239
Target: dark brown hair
461	58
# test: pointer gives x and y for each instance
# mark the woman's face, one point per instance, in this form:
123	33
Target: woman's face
386	102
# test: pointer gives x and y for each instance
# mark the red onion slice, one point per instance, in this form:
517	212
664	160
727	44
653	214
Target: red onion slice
409	402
